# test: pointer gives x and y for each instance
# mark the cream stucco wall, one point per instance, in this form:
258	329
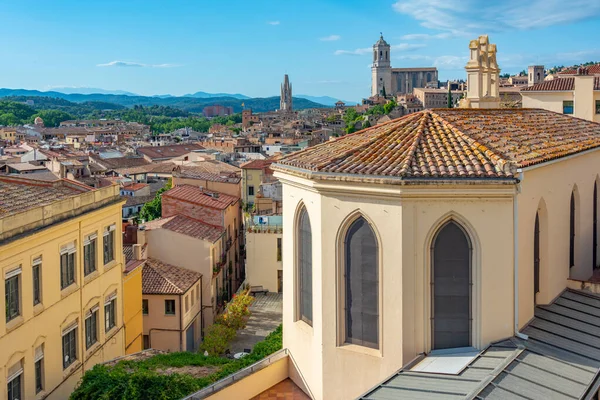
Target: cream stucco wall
584	100
405	220
190	253
168	332
548	189
551	101
255	383
44	323
261	260
250	177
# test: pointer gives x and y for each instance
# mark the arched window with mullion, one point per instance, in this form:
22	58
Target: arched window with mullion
361	285
305	302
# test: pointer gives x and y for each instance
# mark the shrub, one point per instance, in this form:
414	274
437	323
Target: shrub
237	312
217	338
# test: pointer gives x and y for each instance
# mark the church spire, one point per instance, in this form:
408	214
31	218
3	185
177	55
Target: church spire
285	103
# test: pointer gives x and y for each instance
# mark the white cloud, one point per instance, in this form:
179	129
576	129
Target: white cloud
414	57
450	62
477	16
427	36
273	22
330	38
368	50
356	52
135	65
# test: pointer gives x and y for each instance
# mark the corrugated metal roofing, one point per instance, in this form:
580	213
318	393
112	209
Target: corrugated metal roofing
560	360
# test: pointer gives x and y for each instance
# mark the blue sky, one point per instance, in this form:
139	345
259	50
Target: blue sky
177	47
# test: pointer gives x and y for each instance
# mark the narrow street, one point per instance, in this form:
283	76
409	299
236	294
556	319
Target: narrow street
266	315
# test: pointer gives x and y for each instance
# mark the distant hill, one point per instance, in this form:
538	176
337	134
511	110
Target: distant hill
326	100
204	95
189	104
88	90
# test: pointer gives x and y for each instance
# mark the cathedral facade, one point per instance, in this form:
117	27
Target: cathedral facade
391	81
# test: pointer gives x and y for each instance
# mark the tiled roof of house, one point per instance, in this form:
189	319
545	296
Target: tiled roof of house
558	84
161	167
18	195
559	360
134	187
167	152
196	195
256	164
187	226
197	172
119	162
447	144
212	166
592	70
137	200
161	278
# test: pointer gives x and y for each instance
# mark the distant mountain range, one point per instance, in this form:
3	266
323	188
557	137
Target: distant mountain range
204	95
88	90
190	104
326	100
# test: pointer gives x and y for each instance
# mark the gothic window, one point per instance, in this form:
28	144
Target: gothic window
361	285
572	232
304	262
595	228
536	256
451	288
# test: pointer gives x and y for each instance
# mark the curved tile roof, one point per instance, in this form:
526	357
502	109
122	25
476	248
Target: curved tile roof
477	144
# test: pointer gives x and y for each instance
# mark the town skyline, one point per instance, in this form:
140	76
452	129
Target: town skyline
145	49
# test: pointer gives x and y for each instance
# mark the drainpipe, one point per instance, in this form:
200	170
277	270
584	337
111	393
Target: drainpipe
516	254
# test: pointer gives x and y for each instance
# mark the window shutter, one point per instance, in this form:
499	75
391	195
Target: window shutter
12	273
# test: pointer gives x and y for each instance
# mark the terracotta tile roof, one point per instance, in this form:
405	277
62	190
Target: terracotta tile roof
17	194
206	176
256	164
168	152
119	162
592	70
137	200
135	186
213	167
558	84
188	226
201	196
162	167
449	143
161	278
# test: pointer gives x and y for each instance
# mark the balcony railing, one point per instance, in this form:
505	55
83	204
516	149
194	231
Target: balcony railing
228	244
265	229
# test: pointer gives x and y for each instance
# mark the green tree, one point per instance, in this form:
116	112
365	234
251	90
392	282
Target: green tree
52	118
450	105
217	338
389	106
153	209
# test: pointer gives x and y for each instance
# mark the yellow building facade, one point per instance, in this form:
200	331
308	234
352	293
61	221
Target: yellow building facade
61	261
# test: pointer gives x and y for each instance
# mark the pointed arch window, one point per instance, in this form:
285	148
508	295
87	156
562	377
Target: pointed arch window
536	256
595	228
304	268
572	231
361	285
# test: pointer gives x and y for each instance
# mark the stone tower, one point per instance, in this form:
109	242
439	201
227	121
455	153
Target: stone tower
285	103
381	78
483	75
535	74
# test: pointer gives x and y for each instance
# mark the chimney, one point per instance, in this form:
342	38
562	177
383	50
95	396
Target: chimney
141	235
137	252
583	95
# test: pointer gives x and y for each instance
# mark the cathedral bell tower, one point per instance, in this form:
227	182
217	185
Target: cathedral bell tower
381	79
